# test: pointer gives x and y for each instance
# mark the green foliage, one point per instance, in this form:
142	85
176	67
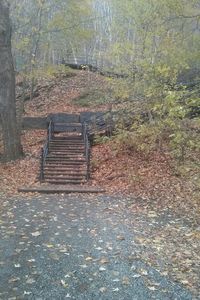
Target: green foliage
120	89
157	54
141	138
92	98
168	130
101	139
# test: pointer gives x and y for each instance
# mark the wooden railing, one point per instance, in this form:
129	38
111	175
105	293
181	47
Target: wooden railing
45	149
81	60
50	131
86	148
103	123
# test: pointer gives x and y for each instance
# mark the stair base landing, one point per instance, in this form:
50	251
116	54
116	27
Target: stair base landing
58	189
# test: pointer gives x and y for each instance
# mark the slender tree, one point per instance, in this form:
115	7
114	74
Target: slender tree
11	136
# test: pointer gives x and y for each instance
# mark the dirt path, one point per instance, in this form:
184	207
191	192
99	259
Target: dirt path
79	247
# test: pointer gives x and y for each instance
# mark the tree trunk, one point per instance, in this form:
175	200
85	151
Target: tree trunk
11	136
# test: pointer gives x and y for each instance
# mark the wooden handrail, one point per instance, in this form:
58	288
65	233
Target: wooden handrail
45	149
87	149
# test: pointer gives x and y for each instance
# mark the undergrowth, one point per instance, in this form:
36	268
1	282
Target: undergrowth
91	98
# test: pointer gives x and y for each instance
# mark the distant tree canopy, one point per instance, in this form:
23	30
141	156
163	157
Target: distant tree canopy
137	33
153	42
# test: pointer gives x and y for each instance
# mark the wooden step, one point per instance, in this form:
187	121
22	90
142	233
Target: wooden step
67	140
63	177
52	166
65	154
61	181
64	150
70	138
69	162
67	171
66	159
69	147
57	173
62	144
50	189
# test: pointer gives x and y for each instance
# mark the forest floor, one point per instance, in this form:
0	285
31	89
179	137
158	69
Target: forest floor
153	179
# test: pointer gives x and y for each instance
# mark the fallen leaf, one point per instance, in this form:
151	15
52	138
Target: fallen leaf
136	276
89	258
103	289
30	281
143	272
35	234
104	260
120	238
152	288
64	284
115	290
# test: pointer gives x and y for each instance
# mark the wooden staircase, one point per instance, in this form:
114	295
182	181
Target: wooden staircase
65	157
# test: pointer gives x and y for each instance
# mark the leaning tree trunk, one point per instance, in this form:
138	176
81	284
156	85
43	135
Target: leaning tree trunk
11	136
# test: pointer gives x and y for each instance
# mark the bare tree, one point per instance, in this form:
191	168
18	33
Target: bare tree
11	136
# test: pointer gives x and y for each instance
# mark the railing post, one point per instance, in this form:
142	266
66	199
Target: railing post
88	162
52	129
42	166
86	148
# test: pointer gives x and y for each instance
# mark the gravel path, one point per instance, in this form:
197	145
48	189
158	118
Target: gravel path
76	247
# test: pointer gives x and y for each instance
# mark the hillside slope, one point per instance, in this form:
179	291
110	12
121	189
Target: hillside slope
117	170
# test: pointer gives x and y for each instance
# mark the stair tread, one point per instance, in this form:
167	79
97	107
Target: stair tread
79	163
65	181
67	153
58	169
61	154
67	142
64	177
53	165
65	174
71	145
67	150
64	157
68	139
67	147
